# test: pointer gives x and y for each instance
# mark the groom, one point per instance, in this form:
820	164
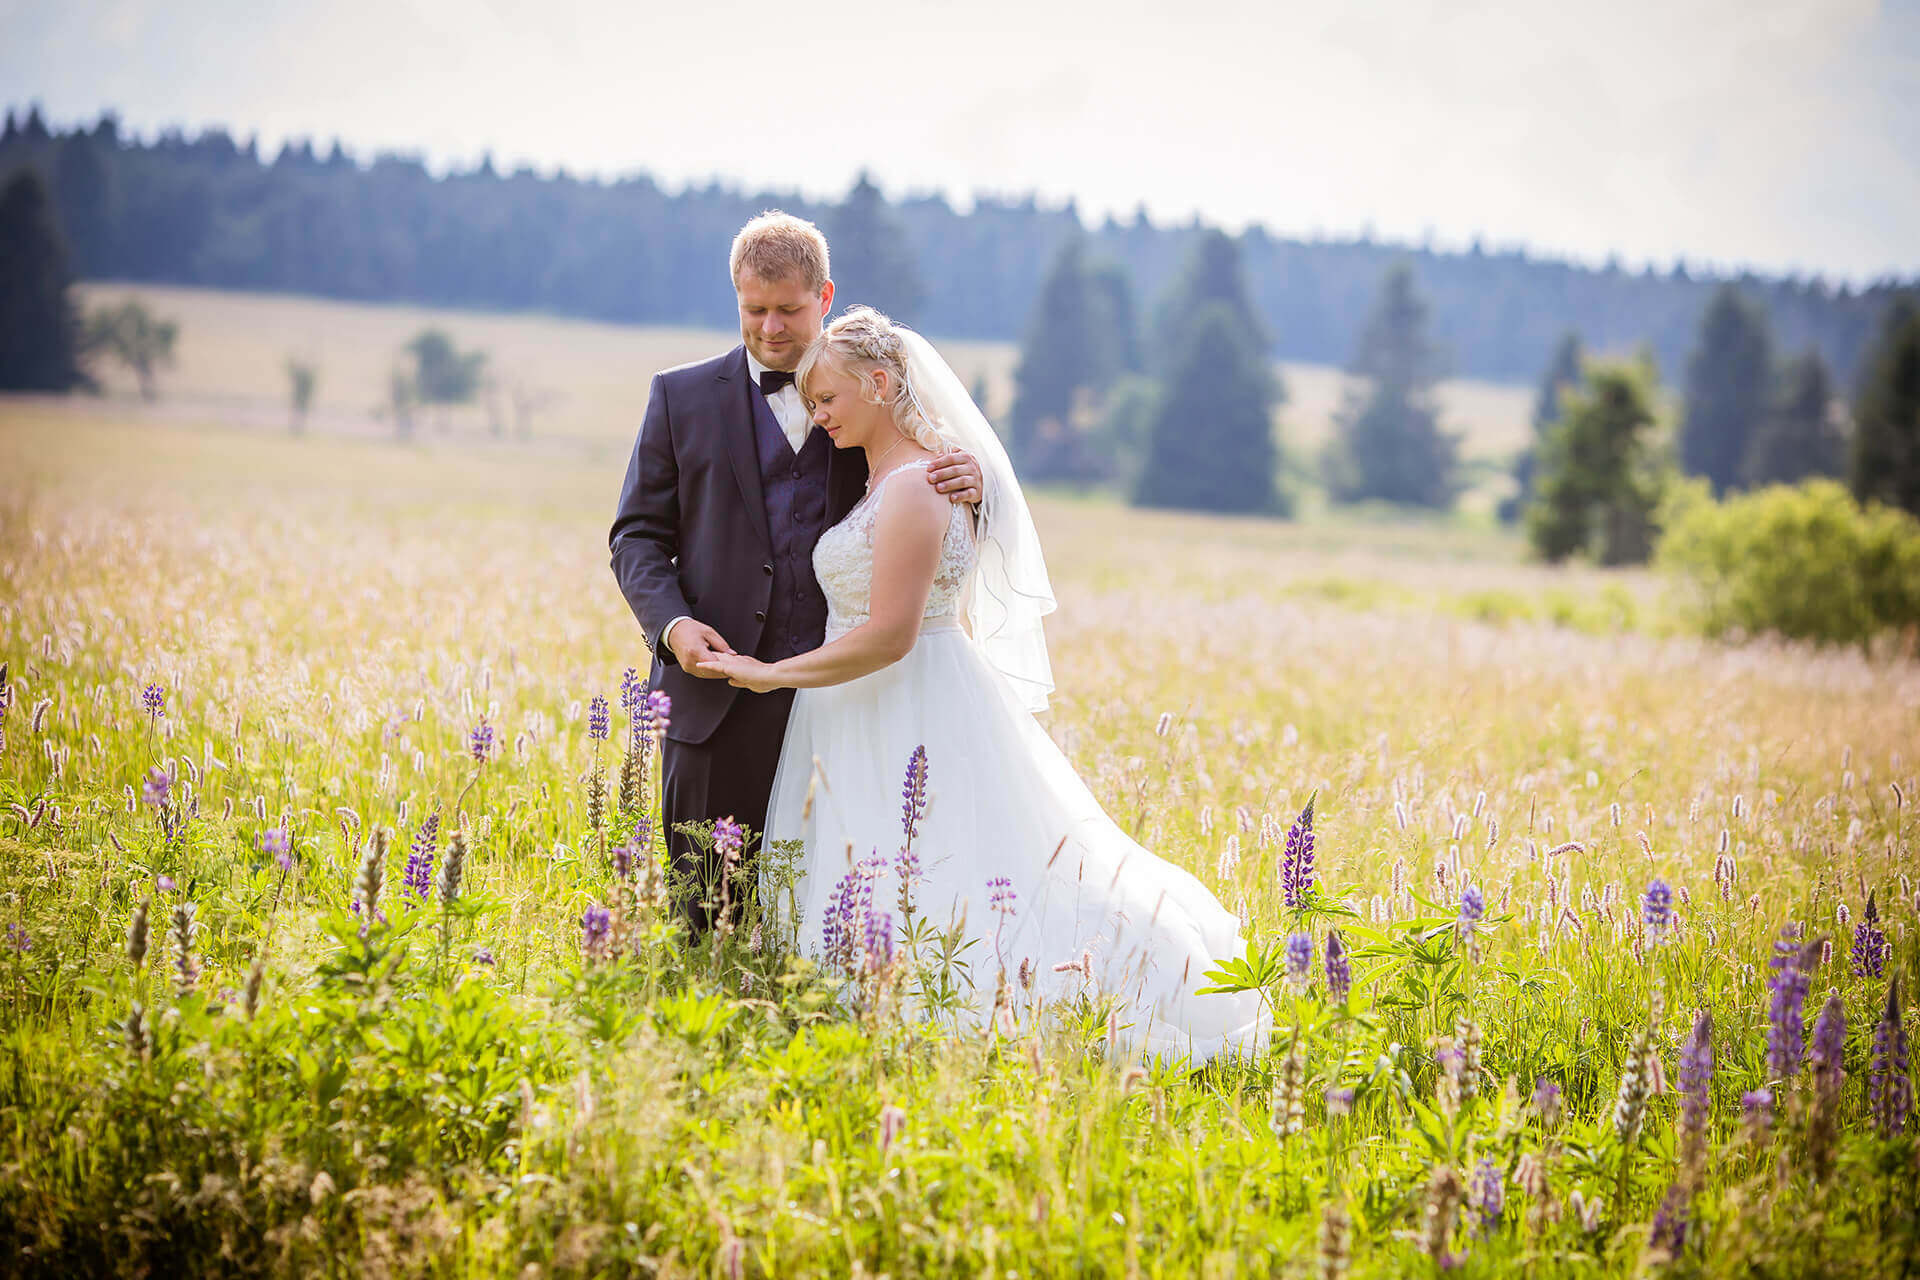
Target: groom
728	489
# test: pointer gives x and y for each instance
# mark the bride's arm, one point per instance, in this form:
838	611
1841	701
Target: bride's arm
907	534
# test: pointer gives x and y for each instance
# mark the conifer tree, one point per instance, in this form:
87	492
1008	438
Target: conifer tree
1886	412
1729	377
1210	444
1797	439
873	264
1390	446
1601	476
1563	373
39	328
1079	340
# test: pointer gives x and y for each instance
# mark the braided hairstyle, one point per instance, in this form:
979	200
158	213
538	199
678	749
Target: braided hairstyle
861	342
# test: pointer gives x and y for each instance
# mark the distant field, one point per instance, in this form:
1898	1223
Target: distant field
233	350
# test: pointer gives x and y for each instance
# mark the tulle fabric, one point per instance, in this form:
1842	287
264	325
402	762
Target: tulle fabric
1003	801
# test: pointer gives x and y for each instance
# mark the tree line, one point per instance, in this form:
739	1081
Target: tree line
215	211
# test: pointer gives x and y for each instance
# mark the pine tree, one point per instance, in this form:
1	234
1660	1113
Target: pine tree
39	328
1390	446
1563	373
1797	439
1210	444
1600	476
872	261
1079	341
1211	273
1886	412
1728	382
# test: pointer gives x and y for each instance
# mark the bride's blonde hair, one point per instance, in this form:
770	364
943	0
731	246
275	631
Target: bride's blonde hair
861	342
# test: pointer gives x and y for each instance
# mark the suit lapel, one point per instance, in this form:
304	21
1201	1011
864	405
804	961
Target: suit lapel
736	397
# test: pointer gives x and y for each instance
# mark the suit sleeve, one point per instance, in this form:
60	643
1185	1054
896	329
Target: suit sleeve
645	537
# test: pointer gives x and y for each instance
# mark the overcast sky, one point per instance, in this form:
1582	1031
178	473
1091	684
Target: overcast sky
1778	134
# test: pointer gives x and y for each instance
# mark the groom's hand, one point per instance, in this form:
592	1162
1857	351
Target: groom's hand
693	643
957	475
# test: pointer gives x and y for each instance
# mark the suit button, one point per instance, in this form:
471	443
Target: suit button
767	569
759	615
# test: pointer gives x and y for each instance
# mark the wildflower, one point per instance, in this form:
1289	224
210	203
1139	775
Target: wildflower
137	934
1656	909
483	955
1229	860
1473	909
1668	1233
1001	896
250	998
1443	1204
185	966
1786	1034
1339	1100
1488	1196
1339	968
878	949
1630	1103
1336	1241
158	788
17	936
1299	959
1889	1088
372	876
632	690
277	843
1289	1091
418	878
163	882
136	1031
453	869
659	713
154	699
1466	1034
1296	860
893	1122
728	840
597	719
1546	1101
595	926
480	741
913	794
1756	1114
1696	1089
906	866
1870	946
1829	1043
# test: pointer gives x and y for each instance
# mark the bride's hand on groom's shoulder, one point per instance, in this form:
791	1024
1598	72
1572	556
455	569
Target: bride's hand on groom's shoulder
957	474
740	671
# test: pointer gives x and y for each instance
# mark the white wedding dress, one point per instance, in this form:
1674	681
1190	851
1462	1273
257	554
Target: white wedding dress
1002	802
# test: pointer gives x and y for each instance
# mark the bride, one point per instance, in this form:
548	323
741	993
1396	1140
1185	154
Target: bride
934	654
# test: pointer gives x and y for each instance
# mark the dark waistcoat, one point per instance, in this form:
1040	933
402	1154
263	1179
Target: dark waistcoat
796	501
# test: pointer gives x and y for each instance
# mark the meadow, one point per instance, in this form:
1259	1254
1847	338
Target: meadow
304	973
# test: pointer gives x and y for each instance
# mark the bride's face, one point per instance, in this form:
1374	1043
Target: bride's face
843	406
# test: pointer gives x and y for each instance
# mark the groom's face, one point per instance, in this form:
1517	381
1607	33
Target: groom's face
778	318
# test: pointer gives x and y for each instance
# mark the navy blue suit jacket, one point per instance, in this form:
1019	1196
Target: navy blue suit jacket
690	536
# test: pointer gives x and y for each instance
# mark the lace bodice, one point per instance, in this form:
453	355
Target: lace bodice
843	561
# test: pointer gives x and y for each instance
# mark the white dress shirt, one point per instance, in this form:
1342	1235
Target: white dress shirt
790	411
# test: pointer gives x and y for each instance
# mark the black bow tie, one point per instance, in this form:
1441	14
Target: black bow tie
774	379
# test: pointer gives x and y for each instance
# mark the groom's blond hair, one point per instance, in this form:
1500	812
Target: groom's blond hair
776	245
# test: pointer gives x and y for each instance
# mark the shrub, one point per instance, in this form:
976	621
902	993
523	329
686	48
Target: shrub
1805	561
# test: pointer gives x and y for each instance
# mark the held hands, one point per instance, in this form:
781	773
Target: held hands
740	671
957	475
693	644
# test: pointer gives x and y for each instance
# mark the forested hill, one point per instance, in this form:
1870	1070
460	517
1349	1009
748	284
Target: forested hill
210	211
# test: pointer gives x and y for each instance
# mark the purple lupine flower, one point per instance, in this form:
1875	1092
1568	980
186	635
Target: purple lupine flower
728	840
163	883
158	788
1829	1044
659	713
1473	909
632	690
1756	1112
598	722
1668	1233
1296	859
642	837
1786	1034
1656	909
484	955
1488	1196
418	880
154	699
1299	958
480	741
1546	1101
1869	943
17	936
877	948
1001	896
913	808
1889	1087
622	856
1339	968
277	844
1696	1077
1339	1100
595	927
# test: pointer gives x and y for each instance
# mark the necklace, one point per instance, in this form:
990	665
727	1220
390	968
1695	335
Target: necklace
873	472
